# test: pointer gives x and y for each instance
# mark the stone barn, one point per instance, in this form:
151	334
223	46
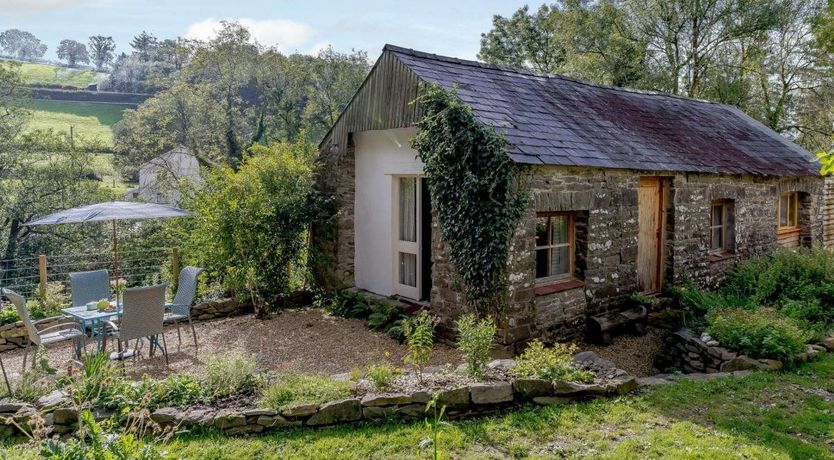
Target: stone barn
628	191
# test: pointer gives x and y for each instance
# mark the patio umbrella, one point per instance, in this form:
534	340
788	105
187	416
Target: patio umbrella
112	211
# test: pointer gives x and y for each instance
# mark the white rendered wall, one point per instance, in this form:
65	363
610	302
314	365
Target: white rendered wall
380	155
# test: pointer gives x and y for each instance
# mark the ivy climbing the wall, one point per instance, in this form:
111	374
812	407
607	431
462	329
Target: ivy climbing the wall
474	193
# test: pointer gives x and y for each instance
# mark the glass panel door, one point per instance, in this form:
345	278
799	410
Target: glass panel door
407	237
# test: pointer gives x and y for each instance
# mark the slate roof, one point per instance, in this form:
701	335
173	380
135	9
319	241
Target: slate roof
554	120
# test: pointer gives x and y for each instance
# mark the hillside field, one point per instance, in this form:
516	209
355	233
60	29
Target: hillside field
57	75
90	119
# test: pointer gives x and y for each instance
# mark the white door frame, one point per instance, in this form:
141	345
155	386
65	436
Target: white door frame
406	247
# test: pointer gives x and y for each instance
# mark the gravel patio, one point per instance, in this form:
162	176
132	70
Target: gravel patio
303	341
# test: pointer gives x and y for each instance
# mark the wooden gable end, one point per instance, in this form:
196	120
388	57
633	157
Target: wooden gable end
384	101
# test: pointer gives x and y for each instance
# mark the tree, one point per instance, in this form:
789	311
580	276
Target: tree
144	45
73	52
101	49
21	44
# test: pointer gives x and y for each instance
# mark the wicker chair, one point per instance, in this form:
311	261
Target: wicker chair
181	306
142	315
47	336
89	287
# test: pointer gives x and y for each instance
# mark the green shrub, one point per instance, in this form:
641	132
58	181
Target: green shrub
296	389
99	383
229	373
8	315
381	376
174	391
50	304
97	442
555	363
34	382
251	233
759	334
388	318
475	339
419	336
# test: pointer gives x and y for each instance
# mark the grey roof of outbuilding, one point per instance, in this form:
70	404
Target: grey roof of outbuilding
554	120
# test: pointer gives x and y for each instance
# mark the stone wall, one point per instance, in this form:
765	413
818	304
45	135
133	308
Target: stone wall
14	335
606	201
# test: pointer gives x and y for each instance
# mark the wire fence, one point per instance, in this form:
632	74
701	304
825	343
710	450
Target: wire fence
136	268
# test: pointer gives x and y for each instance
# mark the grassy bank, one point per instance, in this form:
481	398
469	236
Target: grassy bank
56	75
88	119
765	415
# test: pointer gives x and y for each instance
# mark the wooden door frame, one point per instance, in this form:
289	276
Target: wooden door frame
660	231
411	292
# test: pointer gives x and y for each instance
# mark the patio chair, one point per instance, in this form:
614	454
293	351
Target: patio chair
89	287
143	309
181	306
47	336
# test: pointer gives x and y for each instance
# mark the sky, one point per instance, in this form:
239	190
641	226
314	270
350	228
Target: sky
451	28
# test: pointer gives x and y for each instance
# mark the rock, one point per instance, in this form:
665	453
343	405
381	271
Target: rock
348	410
455	398
563	388
818	348
390	399
502	364
533	388
166	415
712	343
461	369
202	417
651	381
491	393
828	343
592	361
65	416
621	386
413	410
257	412
740	363
302	410
421	397
9	406
54	399
551	400
62	429
276	420
705	337
245	429
229	419
772	364
374	412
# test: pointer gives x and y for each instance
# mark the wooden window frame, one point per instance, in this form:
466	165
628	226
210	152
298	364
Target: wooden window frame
571	245
725	247
793	202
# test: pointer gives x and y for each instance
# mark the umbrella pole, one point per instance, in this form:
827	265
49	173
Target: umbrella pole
116	262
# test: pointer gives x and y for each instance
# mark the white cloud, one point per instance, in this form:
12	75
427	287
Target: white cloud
29	6
285	34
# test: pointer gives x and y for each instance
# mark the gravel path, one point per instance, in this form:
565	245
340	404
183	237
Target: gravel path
304	341
632	353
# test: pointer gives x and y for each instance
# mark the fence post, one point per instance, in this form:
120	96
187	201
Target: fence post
42	275
175	257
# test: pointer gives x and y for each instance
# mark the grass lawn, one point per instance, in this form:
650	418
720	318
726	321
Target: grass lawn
762	416
87	118
53	74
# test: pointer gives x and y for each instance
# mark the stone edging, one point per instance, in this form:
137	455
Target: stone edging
691	355
468	400
14	335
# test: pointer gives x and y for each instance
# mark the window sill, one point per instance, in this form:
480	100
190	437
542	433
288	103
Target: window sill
719	256
559	286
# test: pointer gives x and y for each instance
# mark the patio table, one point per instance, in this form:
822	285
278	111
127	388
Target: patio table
93	319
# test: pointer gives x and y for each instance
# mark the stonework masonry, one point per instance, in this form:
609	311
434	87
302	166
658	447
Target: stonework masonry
605	201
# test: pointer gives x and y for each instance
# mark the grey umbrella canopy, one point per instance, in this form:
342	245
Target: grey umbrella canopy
112	211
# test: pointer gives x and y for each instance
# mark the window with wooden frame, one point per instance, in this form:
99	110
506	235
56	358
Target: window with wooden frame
722	223
555	246
788	211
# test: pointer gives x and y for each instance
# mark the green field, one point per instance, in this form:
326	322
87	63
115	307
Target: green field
89	119
57	75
